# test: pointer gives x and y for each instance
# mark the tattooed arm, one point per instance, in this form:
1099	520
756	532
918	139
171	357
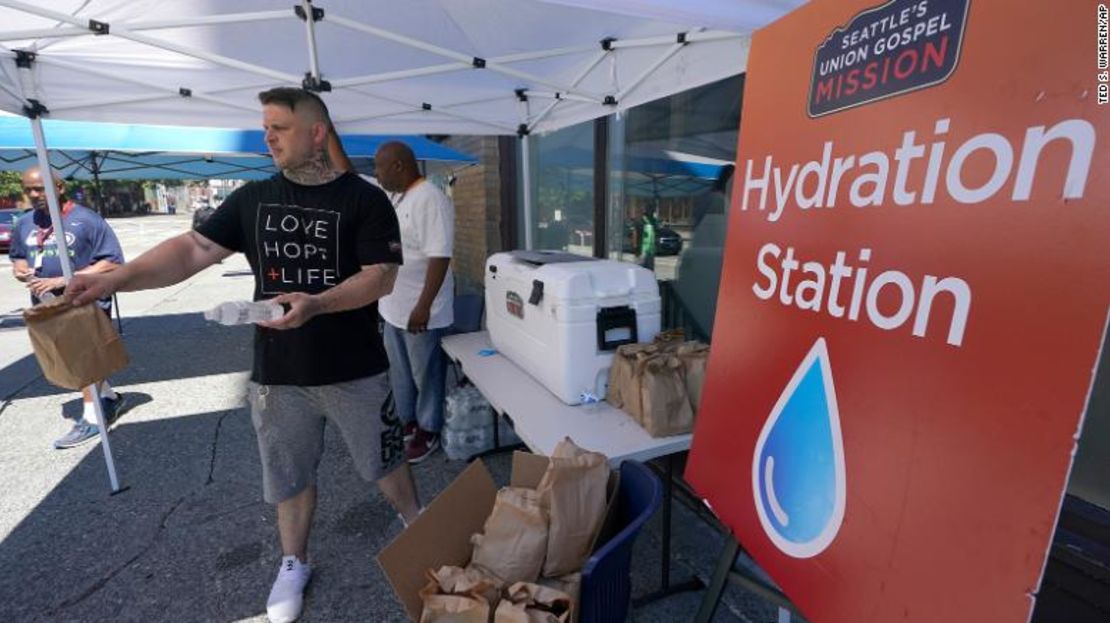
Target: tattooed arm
370	284
170	262
336	153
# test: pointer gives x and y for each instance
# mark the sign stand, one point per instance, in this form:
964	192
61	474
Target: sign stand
726	572
666	589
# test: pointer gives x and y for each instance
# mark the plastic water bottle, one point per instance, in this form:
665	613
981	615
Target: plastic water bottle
243	312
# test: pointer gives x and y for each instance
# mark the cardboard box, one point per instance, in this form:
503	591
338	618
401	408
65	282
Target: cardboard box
441	534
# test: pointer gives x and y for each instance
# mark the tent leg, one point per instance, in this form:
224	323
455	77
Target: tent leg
102	425
526	174
99	198
67	271
52	198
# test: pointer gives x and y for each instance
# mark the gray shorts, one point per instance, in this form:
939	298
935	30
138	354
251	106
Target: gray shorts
289	422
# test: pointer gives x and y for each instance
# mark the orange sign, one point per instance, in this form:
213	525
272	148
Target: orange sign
915	291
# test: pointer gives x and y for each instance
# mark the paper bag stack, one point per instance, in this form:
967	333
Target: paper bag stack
526	561
659	384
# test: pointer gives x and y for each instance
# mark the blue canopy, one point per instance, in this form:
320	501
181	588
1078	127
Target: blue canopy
642	176
118	151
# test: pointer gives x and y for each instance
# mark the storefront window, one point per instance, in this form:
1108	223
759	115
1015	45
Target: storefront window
562	191
674	161
670	166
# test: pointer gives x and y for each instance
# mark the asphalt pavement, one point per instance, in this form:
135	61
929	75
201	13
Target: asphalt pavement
190	538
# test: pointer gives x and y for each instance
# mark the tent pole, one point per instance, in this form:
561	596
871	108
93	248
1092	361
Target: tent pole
310	31
67	270
52	198
96	184
526	173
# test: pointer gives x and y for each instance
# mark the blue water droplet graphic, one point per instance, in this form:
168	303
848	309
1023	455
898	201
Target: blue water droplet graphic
798	466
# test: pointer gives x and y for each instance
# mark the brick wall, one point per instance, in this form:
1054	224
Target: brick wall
477	197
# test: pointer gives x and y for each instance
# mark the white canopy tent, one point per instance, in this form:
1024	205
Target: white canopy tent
412	67
420	66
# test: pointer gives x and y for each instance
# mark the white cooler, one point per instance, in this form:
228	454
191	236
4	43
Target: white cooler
560	317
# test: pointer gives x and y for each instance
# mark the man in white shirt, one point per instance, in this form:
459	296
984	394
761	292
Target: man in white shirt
421	307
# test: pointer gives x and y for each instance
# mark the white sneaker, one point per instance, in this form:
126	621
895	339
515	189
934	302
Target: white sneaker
287	594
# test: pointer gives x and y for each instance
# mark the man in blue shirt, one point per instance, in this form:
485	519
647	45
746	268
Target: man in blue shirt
93	248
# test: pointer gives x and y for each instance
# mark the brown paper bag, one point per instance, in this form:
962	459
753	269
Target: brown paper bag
532	603
75	346
471	580
694	357
666	405
571	584
624	378
619	371
508	612
452	608
669	340
573	492
455	595
514	539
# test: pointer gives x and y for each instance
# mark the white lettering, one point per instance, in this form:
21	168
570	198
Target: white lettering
961	294
759	184
782	193
789	264
772	277
816	286
876	179
1080	133
289	223
840	166
1003	162
291	249
308	276
911	300
809	184
857	289
890	277
838	271
821	170
932	174
904	155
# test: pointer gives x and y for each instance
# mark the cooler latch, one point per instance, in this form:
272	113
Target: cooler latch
537	292
615	326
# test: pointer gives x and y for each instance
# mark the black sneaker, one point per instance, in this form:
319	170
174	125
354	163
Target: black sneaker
114	407
81	432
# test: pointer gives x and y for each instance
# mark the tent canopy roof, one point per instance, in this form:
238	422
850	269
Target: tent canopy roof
422	66
122	151
15	133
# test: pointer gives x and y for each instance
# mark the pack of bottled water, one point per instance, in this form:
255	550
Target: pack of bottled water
468	425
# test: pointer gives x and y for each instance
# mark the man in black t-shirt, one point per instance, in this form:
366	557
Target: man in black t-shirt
325	244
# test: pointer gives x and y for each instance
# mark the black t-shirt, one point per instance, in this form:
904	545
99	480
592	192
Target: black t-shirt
309	239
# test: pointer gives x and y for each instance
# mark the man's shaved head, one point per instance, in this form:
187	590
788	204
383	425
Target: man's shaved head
33	176
396	150
395	166
34	187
